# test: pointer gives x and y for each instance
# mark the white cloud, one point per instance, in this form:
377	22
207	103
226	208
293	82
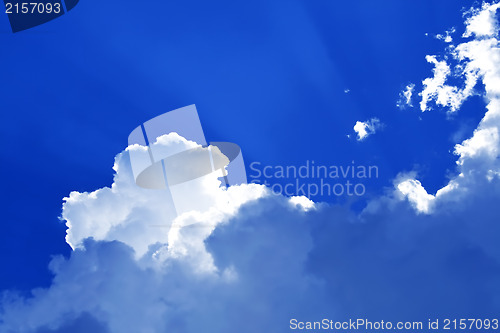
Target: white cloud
126	210
405	97
447	37
474	58
366	128
482	22
485	141
479	60
250	261
135	276
416	194
266	261
303	202
444	95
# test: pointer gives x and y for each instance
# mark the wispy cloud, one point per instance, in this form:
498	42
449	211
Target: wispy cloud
405	97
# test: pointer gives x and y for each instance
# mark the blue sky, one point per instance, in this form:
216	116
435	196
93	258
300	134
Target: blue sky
286	81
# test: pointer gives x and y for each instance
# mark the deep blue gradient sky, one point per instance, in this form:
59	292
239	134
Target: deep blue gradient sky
267	75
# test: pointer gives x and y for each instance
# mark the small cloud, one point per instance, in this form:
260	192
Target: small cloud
435	88
347	91
447	37
302	202
405	97
417	195
367	128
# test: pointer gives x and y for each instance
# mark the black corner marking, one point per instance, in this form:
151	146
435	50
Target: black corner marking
70	4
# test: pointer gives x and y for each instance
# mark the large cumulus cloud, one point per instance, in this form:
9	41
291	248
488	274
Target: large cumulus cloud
250	261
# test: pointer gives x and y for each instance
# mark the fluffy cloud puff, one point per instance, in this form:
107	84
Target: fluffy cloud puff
124	210
364	129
